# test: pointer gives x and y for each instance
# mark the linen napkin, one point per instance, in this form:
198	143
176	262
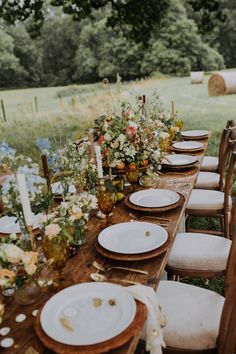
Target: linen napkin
152	332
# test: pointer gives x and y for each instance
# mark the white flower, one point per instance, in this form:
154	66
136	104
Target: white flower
164	135
52	230
121	138
11	253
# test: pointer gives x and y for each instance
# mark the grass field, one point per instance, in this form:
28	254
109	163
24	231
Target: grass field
77	106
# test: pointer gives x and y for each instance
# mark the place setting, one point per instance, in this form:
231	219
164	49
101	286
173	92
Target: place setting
132	241
68	321
188	146
194	134
176	162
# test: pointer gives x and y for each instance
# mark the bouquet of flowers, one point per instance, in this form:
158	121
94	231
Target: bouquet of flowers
69	219
71	165
9	193
134	140
129	140
16	265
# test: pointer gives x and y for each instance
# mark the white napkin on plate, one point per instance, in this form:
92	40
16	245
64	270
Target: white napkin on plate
152	332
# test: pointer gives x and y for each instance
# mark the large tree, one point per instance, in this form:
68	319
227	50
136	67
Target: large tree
137	18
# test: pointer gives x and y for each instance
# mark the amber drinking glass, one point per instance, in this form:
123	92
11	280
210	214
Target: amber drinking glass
56	250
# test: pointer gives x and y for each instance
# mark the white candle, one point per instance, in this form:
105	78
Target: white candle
99	160
24	198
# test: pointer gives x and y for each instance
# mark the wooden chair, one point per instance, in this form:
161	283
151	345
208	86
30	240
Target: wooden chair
200	321
200	255
211	163
216	180
212	203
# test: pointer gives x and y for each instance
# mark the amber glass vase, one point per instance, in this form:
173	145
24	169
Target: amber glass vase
56	250
28	293
106	200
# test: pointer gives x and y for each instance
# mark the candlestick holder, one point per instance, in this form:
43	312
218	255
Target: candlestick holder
106	199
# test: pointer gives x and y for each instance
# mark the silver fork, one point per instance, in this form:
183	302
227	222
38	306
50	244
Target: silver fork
106	269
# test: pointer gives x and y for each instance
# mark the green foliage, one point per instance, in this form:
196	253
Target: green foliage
30	57
11	70
137	18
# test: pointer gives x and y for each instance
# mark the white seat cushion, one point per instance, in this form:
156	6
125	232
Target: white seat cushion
203	199
208	180
193	315
210	163
199	252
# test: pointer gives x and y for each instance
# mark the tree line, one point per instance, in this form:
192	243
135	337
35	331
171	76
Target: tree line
68	51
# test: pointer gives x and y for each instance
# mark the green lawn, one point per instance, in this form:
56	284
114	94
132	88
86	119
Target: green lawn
79	105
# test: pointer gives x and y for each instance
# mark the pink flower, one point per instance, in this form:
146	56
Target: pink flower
131	130
30	268
101	139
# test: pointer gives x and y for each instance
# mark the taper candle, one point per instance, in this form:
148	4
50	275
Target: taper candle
97	149
24	198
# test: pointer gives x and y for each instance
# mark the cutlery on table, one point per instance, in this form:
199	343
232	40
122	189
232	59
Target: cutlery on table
106	269
101	277
161	221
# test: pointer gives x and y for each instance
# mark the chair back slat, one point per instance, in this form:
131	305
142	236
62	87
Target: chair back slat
227	331
230	175
223	156
46	169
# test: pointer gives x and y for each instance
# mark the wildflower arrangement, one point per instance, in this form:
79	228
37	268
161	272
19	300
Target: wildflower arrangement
36	185
129	139
71	165
16	265
133	139
70	217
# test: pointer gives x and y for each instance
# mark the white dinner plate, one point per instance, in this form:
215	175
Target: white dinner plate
88	313
57	188
154	198
194	133
132	237
188	145
8	224
179	160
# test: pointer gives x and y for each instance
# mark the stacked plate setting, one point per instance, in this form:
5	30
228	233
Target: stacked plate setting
179	161
88	313
194	134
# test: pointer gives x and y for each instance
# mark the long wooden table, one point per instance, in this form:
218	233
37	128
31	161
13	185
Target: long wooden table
80	267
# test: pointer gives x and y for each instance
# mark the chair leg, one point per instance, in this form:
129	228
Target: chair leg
226	225
170	276
187	222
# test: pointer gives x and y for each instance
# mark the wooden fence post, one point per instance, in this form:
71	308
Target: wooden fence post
36	104
3	111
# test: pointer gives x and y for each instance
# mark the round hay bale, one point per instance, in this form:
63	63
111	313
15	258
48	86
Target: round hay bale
197	77
222	83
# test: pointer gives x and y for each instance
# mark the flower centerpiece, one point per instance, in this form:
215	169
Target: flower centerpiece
71	165
17	269
69	219
130	140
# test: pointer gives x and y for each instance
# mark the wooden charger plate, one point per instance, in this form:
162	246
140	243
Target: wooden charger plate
154	210
180	167
201	137
189	150
131	257
132	330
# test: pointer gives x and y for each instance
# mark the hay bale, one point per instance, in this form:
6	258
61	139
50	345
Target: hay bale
197	77
222	83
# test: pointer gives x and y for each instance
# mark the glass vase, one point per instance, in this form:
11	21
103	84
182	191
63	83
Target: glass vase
27	238
78	233
28	293
56	250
